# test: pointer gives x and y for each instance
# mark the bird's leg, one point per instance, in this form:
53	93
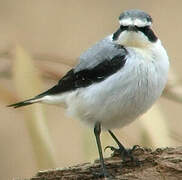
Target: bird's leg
97	132
125	153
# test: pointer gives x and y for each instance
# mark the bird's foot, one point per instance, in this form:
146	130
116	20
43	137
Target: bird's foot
126	154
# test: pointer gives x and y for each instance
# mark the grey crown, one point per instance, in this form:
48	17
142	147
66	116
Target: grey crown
135	14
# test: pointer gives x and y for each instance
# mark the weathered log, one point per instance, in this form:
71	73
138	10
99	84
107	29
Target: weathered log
161	164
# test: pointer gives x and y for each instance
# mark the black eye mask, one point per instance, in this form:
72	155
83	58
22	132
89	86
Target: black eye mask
148	32
145	30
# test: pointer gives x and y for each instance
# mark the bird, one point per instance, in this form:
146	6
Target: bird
115	81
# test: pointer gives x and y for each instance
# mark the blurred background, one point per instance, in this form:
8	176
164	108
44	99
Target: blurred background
39	41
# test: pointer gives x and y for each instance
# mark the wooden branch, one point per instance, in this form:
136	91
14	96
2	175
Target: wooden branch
161	164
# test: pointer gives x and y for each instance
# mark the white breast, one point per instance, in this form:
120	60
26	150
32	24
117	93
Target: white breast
125	95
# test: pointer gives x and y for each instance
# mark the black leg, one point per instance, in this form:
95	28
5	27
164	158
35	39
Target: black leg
125	154
116	140
97	131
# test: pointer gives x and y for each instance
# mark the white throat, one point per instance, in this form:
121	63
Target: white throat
133	39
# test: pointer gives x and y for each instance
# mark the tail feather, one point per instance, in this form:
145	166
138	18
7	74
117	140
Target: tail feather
24	103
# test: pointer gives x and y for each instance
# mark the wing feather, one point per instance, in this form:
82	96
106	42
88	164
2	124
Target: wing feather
95	65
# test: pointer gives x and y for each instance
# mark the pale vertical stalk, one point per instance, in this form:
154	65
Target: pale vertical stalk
154	123
155	130
39	133
6	96
173	90
28	84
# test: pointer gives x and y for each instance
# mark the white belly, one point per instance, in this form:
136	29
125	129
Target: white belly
122	97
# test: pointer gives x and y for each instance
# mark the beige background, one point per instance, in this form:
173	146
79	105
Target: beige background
61	30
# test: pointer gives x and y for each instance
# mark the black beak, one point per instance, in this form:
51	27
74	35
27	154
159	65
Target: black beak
132	28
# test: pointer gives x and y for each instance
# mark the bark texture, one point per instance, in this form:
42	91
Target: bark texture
161	164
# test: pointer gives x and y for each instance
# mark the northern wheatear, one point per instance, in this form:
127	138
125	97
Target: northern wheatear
116	80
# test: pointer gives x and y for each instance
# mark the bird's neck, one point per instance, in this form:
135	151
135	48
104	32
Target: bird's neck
151	52
133	39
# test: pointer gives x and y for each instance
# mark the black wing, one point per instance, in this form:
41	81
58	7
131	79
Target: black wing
73	80
96	64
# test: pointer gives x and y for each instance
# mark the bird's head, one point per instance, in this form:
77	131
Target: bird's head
135	29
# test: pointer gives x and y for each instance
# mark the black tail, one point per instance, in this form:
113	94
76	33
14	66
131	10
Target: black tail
24	103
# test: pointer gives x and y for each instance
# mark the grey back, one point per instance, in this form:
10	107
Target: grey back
105	49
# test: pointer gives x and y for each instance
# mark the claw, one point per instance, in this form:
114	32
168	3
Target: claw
125	154
111	148
135	147
130	151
